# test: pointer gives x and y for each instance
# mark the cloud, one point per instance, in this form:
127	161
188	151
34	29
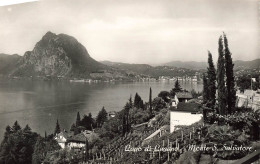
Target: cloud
145	31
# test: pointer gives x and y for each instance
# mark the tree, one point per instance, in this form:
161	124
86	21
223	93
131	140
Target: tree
45	135
72	128
126	121
177	88
88	122
138	102
16	127
27	128
244	82
211	81
57	128
141	104
101	117
164	95
39	151
131	101
150	102
41	148
230	81
158	103
6	135
17	146
221	78
205	89
78	120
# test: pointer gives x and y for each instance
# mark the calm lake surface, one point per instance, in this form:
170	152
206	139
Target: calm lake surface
41	103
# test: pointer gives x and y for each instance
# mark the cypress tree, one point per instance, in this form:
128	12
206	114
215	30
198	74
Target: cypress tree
230	80
211	81
221	78
150	101
57	128
125	119
131	101
78	120
136	100
126	113
177	88
205	89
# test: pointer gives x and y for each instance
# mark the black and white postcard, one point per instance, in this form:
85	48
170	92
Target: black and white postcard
129	81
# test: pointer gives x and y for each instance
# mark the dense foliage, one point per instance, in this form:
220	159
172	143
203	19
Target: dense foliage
19	145
42	147
244	82
165	95
138	102
101	117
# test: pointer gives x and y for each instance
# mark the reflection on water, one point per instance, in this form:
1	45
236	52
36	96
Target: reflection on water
40	104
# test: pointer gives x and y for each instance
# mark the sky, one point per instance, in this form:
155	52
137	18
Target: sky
134	31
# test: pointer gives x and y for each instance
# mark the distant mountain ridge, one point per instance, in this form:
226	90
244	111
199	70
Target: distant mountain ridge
8	62
238	64
149	70
126	66
189	64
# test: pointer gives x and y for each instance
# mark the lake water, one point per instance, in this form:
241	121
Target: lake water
41	103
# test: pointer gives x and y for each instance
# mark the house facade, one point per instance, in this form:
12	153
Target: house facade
68	140
249	99
174	101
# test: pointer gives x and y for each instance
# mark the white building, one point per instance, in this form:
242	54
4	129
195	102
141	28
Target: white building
184	114
68	140
248	99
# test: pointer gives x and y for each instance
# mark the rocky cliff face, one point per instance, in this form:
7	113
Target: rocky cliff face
57	55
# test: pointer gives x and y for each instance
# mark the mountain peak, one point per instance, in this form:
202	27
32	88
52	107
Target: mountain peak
58	55
49	34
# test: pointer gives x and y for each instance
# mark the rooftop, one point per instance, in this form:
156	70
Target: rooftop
183	95
77	138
